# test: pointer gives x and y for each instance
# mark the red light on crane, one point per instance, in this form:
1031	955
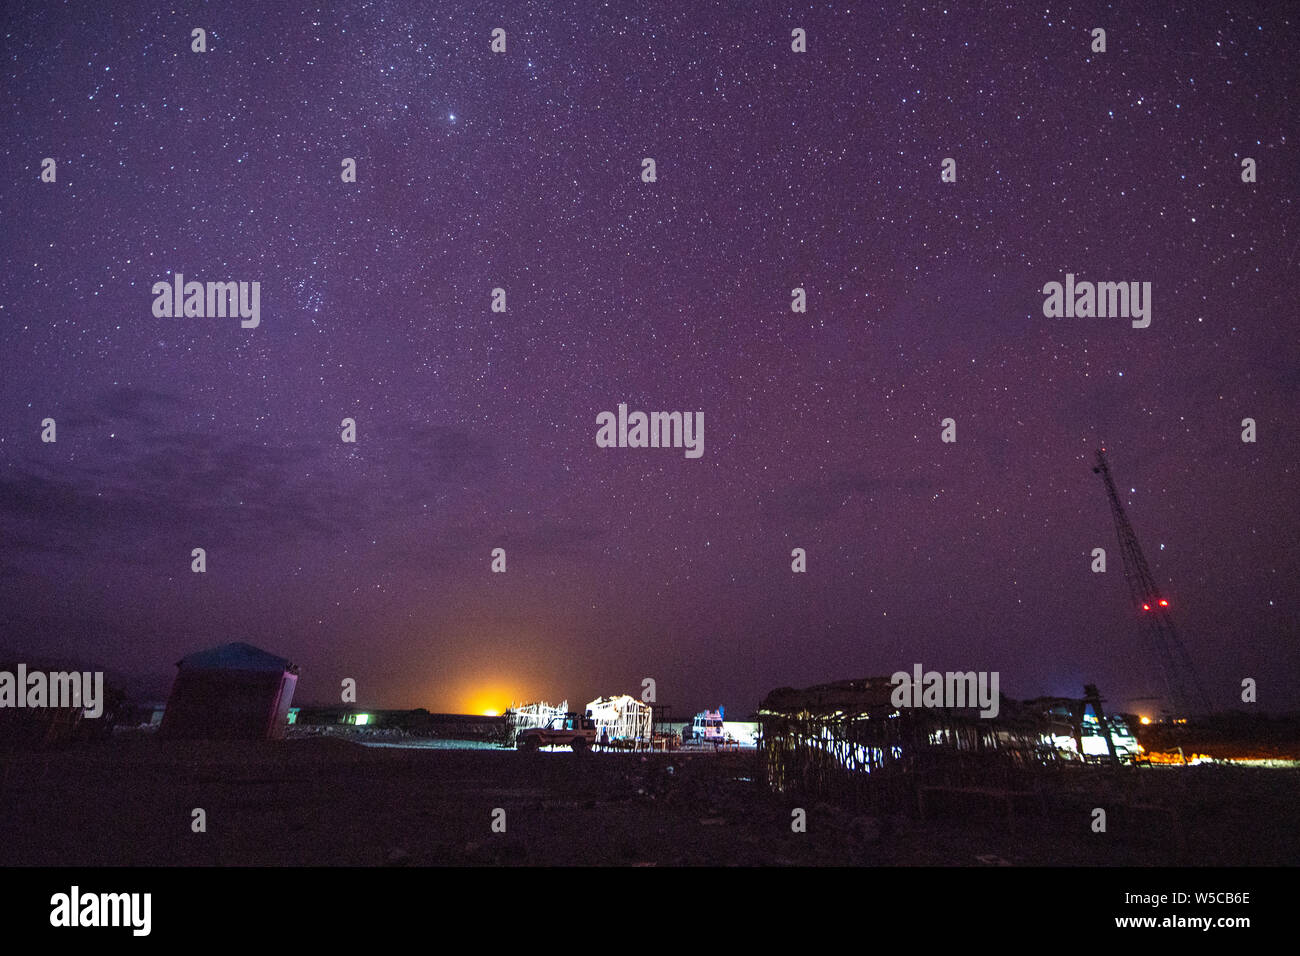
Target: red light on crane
1164	603
1146	607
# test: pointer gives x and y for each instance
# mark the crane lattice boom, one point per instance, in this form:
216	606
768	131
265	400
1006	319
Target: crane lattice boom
1184	692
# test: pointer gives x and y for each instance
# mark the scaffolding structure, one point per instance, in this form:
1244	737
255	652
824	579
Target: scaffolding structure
622	720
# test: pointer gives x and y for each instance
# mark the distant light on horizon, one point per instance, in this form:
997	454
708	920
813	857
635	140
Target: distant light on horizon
487	700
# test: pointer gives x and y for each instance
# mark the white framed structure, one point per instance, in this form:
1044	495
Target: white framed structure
622	719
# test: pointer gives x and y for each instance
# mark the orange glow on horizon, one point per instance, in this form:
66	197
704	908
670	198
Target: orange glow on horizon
487	700
482	690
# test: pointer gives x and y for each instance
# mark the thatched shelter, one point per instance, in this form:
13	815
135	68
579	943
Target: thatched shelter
846	740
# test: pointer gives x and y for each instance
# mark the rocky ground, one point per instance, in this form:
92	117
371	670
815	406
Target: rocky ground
328	801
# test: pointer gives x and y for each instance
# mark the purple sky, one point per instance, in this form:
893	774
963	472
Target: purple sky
476	430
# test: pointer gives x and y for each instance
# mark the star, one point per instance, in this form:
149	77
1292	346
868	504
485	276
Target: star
476	429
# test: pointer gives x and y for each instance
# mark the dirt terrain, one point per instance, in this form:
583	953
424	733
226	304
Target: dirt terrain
328	801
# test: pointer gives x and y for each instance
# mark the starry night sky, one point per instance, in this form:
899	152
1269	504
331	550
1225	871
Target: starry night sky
476	430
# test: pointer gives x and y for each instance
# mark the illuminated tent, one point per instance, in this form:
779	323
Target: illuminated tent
232	692
621	718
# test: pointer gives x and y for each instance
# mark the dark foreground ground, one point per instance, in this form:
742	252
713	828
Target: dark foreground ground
333	802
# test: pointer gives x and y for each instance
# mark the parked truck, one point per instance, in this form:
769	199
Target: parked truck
707	727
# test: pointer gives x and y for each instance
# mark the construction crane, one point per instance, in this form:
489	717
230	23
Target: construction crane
1183	689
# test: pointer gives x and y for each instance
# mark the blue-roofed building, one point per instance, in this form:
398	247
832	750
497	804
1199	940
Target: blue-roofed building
232	692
